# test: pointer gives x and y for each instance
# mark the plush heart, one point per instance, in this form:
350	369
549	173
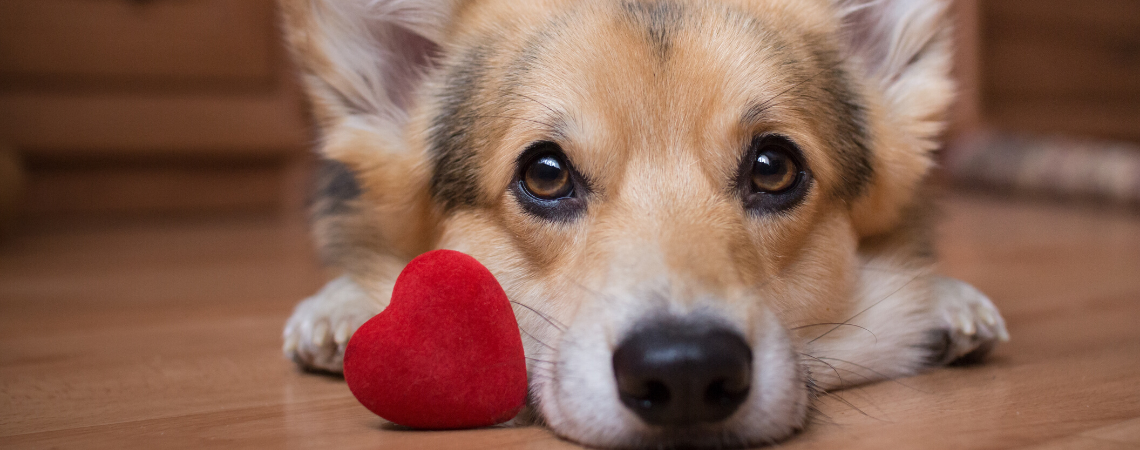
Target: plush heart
446	353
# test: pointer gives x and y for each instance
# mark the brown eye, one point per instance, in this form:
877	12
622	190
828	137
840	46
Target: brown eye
774	176
546	184
773	170
548	178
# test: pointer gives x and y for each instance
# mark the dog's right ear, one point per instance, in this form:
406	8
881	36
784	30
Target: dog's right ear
362	60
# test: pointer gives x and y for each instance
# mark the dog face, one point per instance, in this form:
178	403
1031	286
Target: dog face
668	190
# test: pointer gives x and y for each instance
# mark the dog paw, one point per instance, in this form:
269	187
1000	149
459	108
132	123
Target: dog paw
972	324
318	331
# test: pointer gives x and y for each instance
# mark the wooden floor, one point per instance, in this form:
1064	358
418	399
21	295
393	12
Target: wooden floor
168	335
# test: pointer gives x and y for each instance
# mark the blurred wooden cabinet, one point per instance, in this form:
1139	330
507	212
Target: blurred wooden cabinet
149	105
208	40
1052	66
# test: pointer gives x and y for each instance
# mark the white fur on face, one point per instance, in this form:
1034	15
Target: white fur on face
574	387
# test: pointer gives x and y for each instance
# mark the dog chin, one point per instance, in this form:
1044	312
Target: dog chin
578	397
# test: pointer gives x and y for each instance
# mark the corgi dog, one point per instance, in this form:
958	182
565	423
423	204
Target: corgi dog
706	212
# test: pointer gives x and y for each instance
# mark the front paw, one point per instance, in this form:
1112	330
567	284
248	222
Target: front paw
972	324
318	331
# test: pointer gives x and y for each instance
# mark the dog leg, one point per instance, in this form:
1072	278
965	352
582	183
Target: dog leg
904	321
316	334
973	325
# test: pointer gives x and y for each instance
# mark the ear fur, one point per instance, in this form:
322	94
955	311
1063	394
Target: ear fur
361	62
363	57
904	51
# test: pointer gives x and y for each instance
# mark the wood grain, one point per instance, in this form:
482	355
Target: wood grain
145	125
1052	117
116	188
1048	48
1050	66
156	335
96	41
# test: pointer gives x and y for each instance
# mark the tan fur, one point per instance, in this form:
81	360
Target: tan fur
658	123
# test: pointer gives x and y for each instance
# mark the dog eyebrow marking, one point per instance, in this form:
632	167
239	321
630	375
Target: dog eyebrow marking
843	116
338	181
453	147
851	136
336	187
471	96
661	20
336	214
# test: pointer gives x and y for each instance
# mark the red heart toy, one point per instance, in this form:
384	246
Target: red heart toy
445	354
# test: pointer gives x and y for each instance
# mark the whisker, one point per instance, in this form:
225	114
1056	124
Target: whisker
840	398
849	319
814	393
539	377
558	326
826	364
817	416
866	379
535	339
583	287
541	360
884	376
841	324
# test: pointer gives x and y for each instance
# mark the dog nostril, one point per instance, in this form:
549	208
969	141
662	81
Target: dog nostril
676	374
726	392
648	395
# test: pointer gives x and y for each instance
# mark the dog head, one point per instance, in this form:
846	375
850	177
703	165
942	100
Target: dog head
666	188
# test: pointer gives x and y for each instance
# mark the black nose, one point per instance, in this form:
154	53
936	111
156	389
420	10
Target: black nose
676	374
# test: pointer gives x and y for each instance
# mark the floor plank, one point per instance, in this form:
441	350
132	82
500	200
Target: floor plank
168	335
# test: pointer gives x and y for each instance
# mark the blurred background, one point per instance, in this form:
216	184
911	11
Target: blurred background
122	109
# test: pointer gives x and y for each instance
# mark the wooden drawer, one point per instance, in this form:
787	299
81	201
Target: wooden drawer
145	78
1061	67
136	41
1061	48
148	124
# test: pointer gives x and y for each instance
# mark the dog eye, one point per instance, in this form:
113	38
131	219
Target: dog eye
547	177
546	184
773	170
773	177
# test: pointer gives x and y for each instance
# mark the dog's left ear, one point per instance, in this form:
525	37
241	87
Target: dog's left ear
904	52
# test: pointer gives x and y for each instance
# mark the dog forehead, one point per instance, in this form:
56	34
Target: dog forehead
661	56
653	81
654	78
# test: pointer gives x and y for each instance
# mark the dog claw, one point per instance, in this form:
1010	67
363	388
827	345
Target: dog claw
290	345
973	324
321	325
966	325
987	316
320	333
343	332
